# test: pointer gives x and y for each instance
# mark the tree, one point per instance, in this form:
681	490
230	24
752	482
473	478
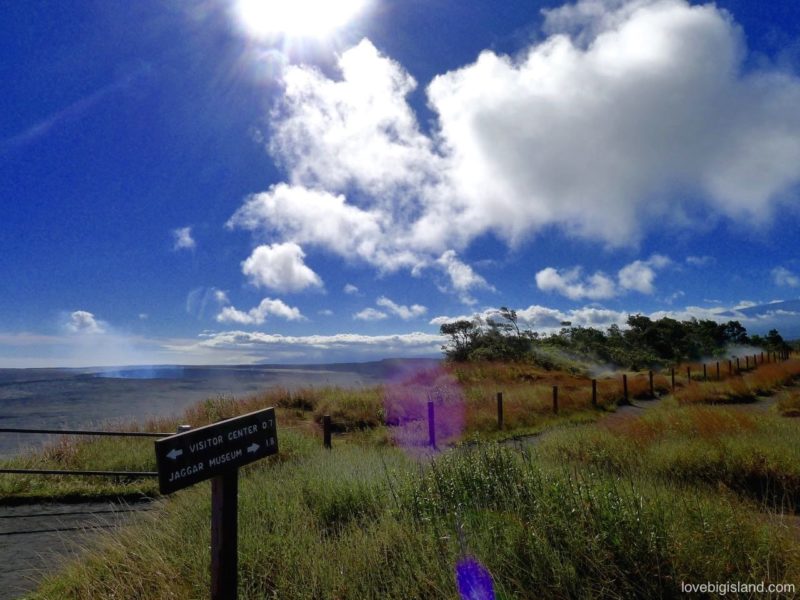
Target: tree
462	337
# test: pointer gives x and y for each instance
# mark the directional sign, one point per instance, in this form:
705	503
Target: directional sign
198	454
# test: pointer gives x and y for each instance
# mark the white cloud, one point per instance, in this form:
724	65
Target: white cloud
589	130
570	283
242	346
785	278
640	274
280	267
700	261
350	289
81	321
370	314
182	239
462	277
257	315
404	312
548	320
325	312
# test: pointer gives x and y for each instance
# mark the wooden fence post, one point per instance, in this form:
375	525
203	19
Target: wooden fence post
326	431
431	425
705	372
500	410
717	370
672	374
594	392
652	388
625	389
747	363
555	399
738	366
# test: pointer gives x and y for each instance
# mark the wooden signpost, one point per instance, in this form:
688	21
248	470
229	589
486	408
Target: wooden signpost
216	452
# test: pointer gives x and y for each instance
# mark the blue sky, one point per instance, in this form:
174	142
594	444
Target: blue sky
218	182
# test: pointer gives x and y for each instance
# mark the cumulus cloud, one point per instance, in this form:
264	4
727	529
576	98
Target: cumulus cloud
81	321
350	289
573	285
370	314
404	312
280	267
785	278
462	277
640	274
257	315
591	130
637	276
182	239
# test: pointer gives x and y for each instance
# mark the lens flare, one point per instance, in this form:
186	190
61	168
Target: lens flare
474	580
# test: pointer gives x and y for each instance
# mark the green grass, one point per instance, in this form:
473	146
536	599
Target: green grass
368	523
754	455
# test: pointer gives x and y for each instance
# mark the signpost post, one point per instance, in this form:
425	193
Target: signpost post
216	452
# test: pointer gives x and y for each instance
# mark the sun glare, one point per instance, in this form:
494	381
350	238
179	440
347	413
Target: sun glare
296	18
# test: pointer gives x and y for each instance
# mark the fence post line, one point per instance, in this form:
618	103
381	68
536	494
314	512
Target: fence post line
431	425
500	410
762	358
326	431
652	388
594	392
625	389
755	361
555	399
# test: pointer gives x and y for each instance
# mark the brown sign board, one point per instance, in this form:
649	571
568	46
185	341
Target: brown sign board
199	454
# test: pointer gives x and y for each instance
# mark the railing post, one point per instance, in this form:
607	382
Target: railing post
431	425
594	392
500	410
326	431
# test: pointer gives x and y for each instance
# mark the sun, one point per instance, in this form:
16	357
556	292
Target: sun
296	18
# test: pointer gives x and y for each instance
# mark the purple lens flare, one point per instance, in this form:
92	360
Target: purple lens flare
474	580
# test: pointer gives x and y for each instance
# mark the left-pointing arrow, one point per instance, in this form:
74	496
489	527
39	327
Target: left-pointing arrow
253	447
174	453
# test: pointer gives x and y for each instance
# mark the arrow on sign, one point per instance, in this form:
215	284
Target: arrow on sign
253	447
174	453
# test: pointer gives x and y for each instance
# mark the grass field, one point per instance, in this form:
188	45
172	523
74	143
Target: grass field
691	491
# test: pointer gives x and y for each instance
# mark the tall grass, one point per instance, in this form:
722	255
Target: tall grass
367	523
756	456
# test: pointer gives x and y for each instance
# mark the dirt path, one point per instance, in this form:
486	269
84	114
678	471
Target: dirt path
36	538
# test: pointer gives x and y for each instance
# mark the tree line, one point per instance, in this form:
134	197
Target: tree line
644	343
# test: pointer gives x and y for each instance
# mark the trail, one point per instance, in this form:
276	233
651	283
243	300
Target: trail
36	538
